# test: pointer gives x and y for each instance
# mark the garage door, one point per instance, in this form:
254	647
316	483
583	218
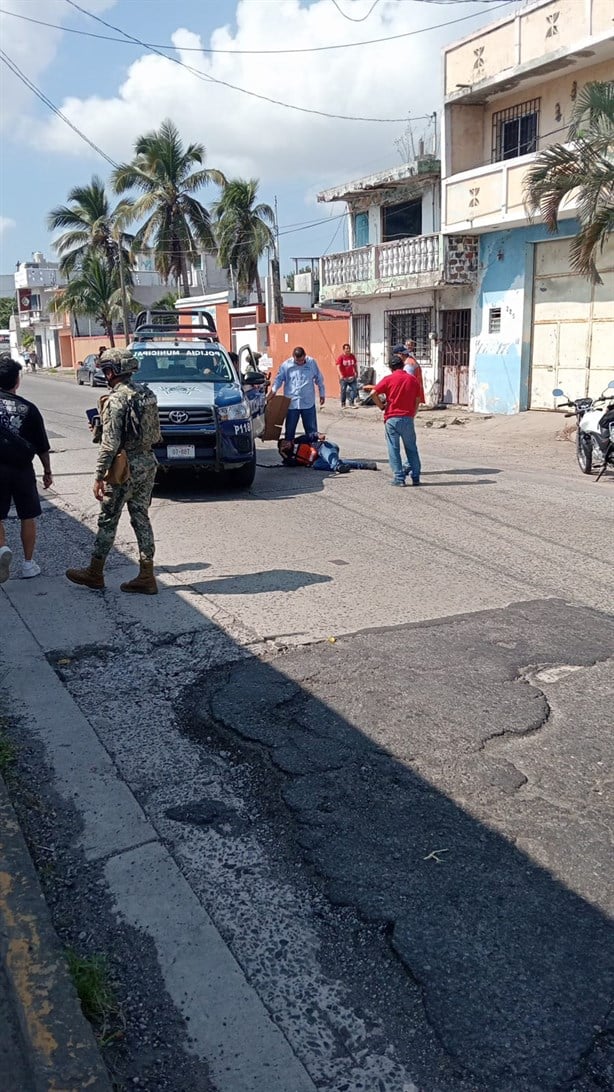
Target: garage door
573	326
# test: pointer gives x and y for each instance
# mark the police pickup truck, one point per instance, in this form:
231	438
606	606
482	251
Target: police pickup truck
209	416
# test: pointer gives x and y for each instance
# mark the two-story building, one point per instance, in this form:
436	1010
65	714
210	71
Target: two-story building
403	277
36	283
509	91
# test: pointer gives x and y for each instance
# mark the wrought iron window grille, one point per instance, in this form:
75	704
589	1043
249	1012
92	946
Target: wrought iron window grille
515	131
406	323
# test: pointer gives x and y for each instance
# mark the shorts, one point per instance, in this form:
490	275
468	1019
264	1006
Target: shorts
18	484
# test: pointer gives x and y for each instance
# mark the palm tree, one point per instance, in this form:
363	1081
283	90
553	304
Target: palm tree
583	168
176	224
91	227
166	302
243	231
95	292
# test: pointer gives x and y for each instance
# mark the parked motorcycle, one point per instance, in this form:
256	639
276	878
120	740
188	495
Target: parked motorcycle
595	429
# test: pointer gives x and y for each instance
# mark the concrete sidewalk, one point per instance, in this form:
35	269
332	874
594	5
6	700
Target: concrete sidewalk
230	1027
45	1041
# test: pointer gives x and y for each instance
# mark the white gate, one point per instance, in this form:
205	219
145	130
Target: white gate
573	326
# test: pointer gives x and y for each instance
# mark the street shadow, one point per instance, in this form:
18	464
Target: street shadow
187	567
278	481
384	776
274	580
454	485
467	471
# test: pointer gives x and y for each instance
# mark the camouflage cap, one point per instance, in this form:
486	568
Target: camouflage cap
122	361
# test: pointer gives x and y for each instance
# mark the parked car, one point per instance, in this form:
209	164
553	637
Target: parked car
89	372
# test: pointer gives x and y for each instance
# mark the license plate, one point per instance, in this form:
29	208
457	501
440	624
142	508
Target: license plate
180	451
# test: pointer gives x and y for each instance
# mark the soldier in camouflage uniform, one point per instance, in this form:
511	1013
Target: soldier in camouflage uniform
130	424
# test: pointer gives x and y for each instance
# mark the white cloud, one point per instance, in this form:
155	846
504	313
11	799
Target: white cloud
32	48
6	224
244	135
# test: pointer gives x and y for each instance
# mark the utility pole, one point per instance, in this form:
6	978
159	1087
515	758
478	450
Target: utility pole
278	303
122	288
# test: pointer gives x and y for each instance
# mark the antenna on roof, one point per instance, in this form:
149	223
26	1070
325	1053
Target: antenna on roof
405	144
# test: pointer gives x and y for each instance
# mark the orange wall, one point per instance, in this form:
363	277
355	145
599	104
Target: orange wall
83	346
321	339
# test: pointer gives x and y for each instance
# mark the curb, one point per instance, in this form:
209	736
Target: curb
55	373
59	1044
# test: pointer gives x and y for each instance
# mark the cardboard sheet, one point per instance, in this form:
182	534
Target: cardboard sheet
274	417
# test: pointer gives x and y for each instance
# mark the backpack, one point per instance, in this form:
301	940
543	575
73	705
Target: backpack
14	450
142	420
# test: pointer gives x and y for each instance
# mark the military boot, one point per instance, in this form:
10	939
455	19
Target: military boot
145	582
92	577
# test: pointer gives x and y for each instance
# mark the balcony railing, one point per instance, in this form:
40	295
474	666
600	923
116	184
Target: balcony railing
401	257
417	255
402	264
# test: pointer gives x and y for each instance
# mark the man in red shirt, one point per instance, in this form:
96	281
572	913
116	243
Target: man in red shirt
348	375
412	366
402	392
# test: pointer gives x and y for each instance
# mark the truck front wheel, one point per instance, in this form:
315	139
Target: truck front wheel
243	476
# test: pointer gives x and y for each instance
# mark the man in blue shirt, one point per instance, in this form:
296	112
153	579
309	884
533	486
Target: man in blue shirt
298	375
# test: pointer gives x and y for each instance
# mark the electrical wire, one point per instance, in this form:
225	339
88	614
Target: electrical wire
442	2
309	226
350	18
14	68
203	76
290	229
252	52
328	248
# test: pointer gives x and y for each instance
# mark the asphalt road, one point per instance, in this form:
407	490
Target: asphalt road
403	834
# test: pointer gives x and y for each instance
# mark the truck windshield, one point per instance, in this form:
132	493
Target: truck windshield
172	365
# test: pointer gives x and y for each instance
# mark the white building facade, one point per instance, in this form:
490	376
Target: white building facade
36	283
403	278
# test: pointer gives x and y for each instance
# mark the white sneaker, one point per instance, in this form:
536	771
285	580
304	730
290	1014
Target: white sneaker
29	569
6	556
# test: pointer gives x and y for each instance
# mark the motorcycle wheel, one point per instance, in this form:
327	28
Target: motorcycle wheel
584	454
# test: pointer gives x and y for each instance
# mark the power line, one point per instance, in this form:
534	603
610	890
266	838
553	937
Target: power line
224	83
351	18
252	52
335	234
13	67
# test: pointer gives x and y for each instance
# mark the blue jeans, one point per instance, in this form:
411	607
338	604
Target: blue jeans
348	386
397	429
309	418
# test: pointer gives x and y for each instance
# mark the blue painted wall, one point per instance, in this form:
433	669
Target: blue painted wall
499	380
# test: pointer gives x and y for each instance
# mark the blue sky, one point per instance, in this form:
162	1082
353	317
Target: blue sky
113	91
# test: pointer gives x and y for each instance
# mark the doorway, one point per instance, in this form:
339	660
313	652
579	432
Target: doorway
455	346
361	342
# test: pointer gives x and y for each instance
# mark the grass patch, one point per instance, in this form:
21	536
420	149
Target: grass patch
92	981
8	753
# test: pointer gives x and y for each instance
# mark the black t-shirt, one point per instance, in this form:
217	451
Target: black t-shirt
25	419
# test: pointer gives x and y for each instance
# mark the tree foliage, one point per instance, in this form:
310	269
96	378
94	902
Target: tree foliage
8	307
176	225
243	230
95	293
92	226
581	170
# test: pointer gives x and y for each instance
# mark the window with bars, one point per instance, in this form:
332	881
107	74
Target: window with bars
412	322
494	320
515	131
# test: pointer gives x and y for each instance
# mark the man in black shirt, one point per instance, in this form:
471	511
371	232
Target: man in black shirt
22	436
